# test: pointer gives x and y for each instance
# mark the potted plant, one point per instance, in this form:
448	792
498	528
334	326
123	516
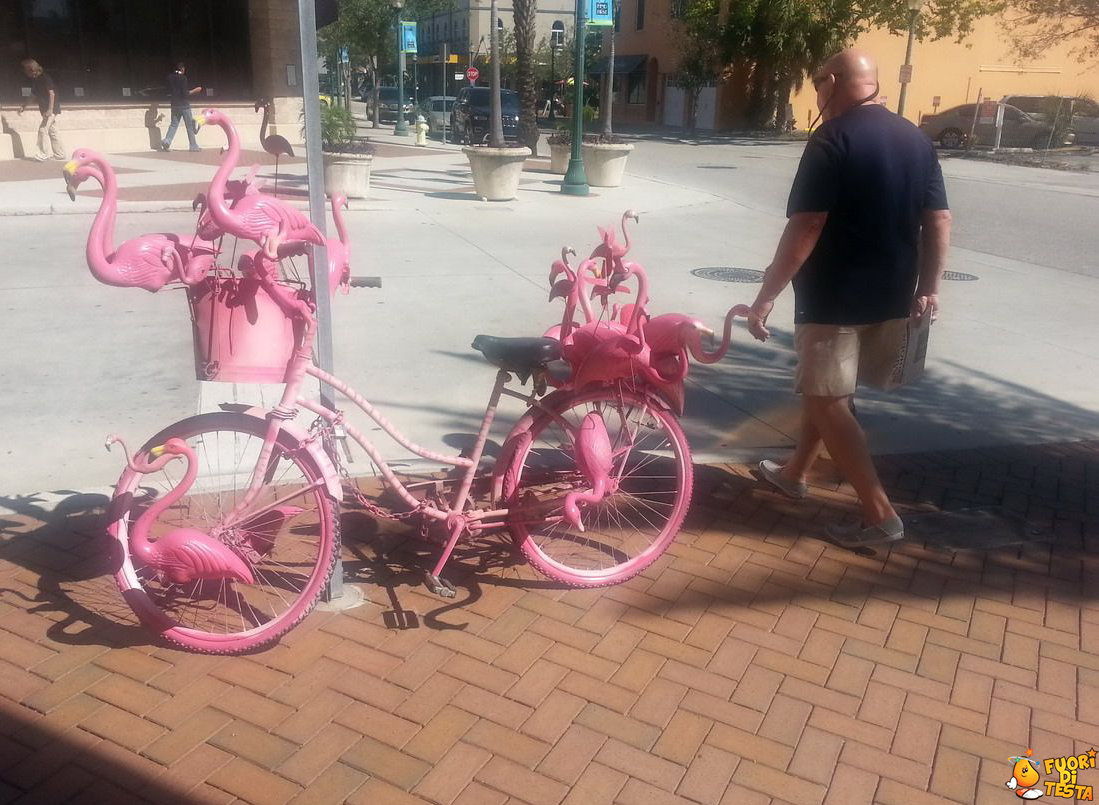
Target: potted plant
560	147
347	160
497	166
605	154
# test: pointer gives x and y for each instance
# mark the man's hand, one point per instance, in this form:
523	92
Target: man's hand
925	305
757	319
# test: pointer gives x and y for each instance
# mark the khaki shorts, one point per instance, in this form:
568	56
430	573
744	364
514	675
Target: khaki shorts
834	358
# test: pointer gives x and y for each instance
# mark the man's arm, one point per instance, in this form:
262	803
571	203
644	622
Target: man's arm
49	106
195	91
798	240
934	242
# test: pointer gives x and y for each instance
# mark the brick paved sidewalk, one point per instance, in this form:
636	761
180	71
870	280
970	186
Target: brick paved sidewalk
752	664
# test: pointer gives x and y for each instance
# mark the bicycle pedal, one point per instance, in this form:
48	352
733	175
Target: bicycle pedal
440	587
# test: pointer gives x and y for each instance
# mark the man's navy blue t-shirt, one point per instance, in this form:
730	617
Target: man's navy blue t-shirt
874	173
178	90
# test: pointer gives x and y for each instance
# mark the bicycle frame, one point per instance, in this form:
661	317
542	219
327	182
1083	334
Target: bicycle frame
457	518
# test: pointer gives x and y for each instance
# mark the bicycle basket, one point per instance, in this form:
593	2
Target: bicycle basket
241	335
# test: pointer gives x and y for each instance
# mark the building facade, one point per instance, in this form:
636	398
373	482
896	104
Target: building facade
944	71
110	60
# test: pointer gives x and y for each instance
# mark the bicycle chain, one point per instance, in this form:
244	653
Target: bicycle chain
322	428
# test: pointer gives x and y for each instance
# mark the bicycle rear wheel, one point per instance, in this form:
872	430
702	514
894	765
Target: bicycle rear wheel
290	548
631	527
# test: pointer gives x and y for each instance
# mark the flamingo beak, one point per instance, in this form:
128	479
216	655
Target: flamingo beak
158	451
706	331
200	121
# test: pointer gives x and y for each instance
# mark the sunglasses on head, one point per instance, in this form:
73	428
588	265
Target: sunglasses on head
820	79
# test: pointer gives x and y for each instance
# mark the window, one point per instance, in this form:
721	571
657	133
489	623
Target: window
635	92
640	14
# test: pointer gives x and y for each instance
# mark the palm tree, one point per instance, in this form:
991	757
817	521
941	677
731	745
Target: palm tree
526	12
496	121
608	90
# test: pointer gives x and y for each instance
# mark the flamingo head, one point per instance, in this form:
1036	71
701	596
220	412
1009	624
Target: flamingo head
76	177
262	103
213	116
340	200
199	201
628	214
172	447
76	169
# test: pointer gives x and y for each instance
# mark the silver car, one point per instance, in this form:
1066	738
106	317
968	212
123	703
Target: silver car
436	110
951	129
1084	111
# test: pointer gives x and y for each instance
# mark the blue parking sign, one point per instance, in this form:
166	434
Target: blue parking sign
408	37
600	12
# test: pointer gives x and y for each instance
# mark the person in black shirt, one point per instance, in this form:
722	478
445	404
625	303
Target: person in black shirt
180	96
45	92
865	246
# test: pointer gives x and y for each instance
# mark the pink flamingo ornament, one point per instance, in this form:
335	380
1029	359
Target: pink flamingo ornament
276	145
184	554
149	261
339	250
258	217
595	460
610	251
678	333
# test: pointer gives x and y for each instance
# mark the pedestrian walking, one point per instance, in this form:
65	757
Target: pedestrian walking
180	96
45	92
865	244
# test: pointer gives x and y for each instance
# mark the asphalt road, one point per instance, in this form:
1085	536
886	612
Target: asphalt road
1035	215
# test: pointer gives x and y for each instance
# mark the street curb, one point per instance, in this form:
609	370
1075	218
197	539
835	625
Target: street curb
147	207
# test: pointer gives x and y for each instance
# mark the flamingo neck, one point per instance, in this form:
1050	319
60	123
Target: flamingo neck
101	236
642	298
701	355
263	125
337	216
215	197
139	538
581	292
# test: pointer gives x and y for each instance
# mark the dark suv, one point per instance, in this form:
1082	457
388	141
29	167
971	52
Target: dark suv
469	115
387	103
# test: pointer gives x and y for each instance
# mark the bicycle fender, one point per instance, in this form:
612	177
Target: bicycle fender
311	445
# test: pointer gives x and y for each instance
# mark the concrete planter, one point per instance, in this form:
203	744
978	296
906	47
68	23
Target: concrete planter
605	164
348	174
496	170
559	158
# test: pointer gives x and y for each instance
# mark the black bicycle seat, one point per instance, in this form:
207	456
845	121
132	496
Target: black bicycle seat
520	355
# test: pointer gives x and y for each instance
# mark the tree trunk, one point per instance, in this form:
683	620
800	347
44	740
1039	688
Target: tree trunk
496	121
784	85
375	93
608	94
526	12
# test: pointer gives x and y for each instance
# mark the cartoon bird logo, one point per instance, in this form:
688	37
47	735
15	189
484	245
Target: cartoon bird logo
1024	776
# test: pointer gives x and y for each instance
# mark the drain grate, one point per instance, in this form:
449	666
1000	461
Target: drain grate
959	276
729	274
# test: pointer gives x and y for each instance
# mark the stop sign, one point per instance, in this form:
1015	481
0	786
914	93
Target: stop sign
473	73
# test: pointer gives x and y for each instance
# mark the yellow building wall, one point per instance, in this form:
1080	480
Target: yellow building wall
957	72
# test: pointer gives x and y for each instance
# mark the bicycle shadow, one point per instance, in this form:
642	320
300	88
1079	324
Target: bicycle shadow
65	547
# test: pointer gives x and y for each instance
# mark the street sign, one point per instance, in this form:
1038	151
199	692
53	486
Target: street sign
473	74
600	13
345	56
408	37
936	101
458	76
906	73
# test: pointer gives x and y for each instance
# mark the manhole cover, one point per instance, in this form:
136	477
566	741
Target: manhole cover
725	274
976	529
719	167
959	276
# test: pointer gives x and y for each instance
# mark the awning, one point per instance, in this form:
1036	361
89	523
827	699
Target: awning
623	65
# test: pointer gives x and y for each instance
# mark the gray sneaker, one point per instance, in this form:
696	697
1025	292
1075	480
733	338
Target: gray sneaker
858	536
770	471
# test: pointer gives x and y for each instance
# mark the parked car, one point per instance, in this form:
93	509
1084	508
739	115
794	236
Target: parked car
469	116
951	128
387	103
436	110
1084	113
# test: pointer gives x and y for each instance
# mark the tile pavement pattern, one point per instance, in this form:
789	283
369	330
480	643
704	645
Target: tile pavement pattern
753	664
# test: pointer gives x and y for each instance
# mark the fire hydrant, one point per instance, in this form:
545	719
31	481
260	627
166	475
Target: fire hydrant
421	130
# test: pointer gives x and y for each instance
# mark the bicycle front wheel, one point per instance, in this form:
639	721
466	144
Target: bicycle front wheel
289	538
628	529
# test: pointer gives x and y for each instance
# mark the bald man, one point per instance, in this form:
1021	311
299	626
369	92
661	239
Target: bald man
865	246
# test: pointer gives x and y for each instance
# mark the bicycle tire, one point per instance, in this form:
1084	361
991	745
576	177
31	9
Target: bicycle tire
291	557
540	455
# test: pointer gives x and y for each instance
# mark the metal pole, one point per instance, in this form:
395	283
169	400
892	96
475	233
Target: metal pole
401	127
576	179
907	58
310	84
553	86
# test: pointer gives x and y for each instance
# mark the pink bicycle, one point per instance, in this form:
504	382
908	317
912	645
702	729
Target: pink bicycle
227	525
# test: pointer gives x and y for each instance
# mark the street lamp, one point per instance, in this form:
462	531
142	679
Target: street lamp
906	70
401	127
576	179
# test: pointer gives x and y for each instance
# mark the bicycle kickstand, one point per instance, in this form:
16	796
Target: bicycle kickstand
440	586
